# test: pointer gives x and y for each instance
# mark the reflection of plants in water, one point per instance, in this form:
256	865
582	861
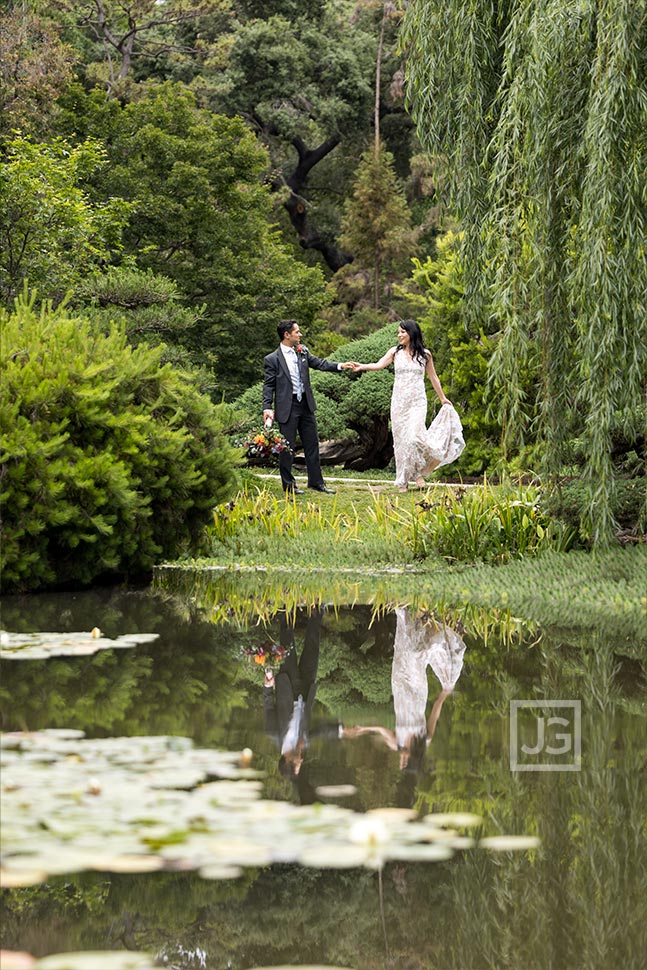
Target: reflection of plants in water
252	596
105	909
579	901
165	689
605	591
249	597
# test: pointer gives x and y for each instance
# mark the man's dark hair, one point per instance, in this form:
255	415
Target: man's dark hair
285	326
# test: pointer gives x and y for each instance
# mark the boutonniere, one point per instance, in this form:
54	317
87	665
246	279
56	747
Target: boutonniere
300	349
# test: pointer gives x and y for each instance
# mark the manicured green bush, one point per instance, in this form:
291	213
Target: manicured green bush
109	460
350	408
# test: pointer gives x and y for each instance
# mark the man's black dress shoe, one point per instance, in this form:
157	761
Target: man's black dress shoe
322	488
294	491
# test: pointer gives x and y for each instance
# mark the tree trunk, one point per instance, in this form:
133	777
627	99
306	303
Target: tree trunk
297	206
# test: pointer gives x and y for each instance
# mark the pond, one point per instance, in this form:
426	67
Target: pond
375	772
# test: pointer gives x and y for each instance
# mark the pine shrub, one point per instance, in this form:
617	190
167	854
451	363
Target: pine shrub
109	459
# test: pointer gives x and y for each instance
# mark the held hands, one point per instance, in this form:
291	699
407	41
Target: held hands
268	417
353	365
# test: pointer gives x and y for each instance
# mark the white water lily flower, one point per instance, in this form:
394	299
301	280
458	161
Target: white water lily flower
370	832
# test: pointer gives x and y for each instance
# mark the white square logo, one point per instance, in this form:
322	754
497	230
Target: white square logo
545	735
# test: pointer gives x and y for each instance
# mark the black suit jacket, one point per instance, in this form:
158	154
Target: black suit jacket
277	383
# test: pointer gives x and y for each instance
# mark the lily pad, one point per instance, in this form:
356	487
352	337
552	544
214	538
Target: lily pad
336	791
141	804
19	878
510	843
41	646
459	820
16	960
98	960
221	872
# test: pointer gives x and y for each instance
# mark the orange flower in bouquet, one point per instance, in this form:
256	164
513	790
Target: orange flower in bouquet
266	654
263	447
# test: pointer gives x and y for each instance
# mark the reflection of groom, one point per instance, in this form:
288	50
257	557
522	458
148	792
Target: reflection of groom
288	394
288	697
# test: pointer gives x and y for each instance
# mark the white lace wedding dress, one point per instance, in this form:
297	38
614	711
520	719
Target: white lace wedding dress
419	644
419	449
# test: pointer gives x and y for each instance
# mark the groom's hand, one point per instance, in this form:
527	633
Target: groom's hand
268	415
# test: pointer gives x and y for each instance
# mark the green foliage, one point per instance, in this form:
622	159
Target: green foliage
150	308
488	525
376	226
109	459
462	350
199	216
35	65
459	524
298	76
117	35
538	113
51	233
290	533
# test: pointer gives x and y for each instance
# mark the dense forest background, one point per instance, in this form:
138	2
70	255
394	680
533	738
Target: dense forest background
192	171
204	169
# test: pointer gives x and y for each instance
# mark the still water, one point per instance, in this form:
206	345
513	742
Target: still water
368	706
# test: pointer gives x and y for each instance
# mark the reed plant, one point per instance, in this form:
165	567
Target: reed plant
453	522
486	524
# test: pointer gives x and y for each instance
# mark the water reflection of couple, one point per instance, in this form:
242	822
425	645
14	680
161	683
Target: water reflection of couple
288	697
420	642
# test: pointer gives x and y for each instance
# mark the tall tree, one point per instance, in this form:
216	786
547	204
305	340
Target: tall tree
305	85
200	215
127	30
35	66
51	232
377	222
539	111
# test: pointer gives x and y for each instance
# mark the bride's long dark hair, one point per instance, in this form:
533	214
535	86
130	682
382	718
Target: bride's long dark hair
417	346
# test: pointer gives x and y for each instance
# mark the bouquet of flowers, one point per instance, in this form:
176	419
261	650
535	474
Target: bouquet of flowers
266	654
264	446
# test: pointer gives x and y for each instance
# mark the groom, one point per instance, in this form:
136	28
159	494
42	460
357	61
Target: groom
288	395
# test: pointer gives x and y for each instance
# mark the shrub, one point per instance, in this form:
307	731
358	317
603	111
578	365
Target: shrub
349	408
487	525
109	460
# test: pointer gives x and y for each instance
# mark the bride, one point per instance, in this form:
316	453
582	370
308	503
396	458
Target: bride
418	449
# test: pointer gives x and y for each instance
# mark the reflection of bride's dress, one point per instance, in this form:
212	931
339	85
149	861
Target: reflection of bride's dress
417	645
418	449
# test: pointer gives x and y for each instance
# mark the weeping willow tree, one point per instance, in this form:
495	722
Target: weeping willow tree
538	111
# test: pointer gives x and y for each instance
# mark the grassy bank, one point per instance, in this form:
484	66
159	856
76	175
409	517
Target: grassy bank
367	543
368	523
